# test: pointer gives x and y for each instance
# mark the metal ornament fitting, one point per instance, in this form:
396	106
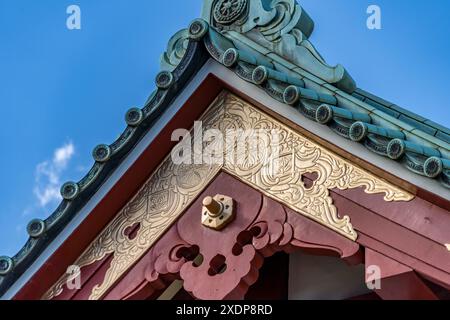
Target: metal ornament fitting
217	212
228	11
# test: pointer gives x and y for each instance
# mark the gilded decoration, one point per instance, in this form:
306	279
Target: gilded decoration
172	188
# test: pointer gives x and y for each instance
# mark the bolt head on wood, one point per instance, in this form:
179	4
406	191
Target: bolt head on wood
217	212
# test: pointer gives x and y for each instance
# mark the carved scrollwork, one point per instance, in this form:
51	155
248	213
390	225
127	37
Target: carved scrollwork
168	192
234	265
172	188
176	49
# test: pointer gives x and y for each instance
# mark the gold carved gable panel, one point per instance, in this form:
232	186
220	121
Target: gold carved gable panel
253	147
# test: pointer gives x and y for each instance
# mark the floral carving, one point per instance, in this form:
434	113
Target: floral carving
171	190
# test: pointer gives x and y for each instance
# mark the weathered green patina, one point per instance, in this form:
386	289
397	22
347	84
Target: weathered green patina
266	43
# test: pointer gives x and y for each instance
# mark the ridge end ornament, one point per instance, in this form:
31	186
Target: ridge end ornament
281	26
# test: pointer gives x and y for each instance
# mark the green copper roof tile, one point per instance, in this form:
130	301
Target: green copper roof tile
373	97
390	122
347	114
348	100
358	96
418	125
383	131
405	115
438	127
408	113
381	107
282	68
430	140
445	153
255	55
280	76
281	61
443	136
331	87
312	77
415	137
244	40
311	84
421	149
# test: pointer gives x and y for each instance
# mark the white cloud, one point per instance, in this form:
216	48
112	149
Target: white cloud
63	155
48	174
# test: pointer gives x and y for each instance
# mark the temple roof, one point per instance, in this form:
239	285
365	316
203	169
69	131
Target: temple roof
265	42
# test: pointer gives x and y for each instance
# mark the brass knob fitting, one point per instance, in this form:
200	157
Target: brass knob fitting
217	212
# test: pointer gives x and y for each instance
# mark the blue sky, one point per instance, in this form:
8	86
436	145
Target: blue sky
63	91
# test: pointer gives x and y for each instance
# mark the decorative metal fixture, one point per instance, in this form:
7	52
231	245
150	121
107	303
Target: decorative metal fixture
217	212
228	11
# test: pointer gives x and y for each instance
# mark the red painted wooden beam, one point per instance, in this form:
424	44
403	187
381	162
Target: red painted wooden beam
262	228
397	281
